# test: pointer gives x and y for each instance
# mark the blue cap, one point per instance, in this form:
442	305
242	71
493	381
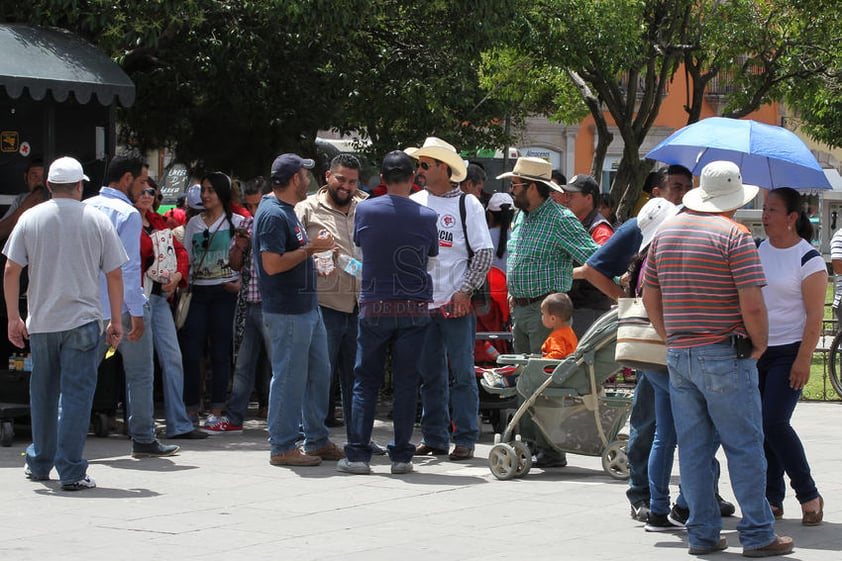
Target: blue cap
287	165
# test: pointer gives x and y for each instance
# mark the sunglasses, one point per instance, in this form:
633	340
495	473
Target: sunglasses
425	166
206	235
151	192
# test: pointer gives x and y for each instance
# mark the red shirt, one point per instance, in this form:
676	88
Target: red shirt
157	222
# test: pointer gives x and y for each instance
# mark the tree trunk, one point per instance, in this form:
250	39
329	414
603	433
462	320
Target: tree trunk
628	182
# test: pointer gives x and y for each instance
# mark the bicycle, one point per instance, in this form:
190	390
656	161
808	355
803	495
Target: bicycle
835	368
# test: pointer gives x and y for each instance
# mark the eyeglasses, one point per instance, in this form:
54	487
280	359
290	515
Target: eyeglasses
150	191
425	166
519	184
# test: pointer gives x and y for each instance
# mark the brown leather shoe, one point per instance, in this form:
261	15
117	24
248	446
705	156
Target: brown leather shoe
329	451
813	517
294	457
424	449
461	453
781	546
777	512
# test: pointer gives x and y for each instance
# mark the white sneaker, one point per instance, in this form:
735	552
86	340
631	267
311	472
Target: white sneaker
399	468
86	483
356	468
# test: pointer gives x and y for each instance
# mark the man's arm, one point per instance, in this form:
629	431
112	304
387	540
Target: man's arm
654	304
11	289
114	285
274	263
753	310
605	284
7	224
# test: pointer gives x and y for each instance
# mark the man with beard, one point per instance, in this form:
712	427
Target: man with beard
546	239
332	208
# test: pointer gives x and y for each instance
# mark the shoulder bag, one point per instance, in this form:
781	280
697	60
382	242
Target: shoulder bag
185	295
639	346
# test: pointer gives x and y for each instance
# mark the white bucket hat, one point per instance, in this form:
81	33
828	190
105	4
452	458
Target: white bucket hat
651	216
533	169
440	150
721	189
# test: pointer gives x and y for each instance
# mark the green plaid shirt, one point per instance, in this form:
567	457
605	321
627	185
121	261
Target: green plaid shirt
543	246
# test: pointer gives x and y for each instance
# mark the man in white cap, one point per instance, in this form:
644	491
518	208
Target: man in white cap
703	281
465	255
65	244
546	239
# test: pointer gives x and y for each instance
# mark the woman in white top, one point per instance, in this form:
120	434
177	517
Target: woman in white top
797	281
207	238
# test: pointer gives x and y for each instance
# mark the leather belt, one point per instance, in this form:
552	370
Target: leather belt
528	301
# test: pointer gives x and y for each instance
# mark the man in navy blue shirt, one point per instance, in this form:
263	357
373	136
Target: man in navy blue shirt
286	276
398	237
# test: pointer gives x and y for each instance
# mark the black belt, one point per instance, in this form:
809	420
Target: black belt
528	301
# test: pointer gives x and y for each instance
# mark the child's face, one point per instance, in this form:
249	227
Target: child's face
548	319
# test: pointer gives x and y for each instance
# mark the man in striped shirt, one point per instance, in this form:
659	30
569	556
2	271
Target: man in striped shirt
703	294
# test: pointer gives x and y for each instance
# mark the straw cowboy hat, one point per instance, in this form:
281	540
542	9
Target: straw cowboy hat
721	189
533	169
440	150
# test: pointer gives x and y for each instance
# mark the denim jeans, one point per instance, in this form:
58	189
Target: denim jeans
211	316
403	325
528	331
784	451
448	379
641	436
300	384
341	330
64	373
255	337
139	366
165	342
663	447
713	392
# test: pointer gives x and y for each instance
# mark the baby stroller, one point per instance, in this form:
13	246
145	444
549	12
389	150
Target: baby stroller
568	408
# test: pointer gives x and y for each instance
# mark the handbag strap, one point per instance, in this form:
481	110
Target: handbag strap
463	214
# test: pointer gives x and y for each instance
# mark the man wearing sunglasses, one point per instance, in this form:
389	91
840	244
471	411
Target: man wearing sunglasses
465	255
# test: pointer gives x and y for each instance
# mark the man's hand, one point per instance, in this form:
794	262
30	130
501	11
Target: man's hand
36	197
137	329
17	332
113	333
799	375
170	287
242	239
323	242
459	305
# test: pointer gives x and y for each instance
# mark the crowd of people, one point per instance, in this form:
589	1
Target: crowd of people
397	270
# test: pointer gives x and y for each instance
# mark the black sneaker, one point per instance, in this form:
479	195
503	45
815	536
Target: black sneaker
660	523
725	508
640	511
678	516
153	449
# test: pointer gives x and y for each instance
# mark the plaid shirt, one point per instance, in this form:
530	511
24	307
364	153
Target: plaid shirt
543	246
249	278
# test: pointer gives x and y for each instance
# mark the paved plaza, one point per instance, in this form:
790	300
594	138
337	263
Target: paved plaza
220	498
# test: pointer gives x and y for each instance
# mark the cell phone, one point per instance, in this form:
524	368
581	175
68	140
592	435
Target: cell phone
743	347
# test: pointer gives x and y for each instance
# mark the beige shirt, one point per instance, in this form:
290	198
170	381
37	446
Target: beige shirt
338	291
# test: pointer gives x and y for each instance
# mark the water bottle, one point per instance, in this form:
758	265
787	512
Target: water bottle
350	265
324	259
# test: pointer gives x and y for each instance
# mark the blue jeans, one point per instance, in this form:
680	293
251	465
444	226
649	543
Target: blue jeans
713	392
341	330
403	325
255	337
300	384
211	316
528	331
139	366
663	447
449	354
641	436
165	342
784	451
64	372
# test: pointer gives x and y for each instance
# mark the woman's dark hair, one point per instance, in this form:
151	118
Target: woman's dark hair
792	201
221	184
503	219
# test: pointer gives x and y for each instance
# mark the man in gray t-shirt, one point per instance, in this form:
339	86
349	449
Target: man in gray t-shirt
65	244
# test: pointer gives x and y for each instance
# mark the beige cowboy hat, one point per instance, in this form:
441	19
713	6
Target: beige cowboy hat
721	189
533	169
440	150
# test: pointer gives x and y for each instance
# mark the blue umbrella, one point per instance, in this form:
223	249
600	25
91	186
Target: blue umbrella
768	156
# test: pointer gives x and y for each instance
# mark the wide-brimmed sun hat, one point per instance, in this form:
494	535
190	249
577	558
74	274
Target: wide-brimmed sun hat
533	169
440	150
651	216
721	189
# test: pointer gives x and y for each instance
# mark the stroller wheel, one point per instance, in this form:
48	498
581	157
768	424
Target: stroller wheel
524	458
615	460
503	461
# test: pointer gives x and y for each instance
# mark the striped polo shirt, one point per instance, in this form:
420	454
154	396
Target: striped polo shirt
699	261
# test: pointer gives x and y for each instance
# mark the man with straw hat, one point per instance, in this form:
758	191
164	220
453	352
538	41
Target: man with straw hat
465	255
546	240
702	290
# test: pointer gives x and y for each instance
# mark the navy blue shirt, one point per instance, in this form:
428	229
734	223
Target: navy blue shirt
397	237
278	230
613	258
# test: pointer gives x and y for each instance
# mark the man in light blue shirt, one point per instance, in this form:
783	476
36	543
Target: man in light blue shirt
126	177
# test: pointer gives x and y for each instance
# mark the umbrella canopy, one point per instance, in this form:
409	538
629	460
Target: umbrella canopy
768	156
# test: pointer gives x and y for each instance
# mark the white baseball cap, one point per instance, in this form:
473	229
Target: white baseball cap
497	200
66	170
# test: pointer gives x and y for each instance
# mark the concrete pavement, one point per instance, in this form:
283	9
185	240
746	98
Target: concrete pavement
220	498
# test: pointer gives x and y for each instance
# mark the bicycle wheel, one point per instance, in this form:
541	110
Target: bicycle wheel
835	368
